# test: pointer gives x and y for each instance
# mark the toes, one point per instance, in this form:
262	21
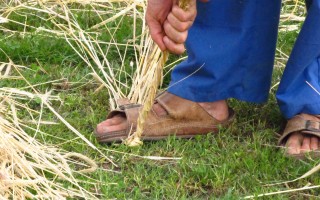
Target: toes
119	121
314	143
306	144
116	123
294	143
115	120
300	143
104	126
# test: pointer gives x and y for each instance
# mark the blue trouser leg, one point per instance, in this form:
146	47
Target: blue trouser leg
299	88
231	49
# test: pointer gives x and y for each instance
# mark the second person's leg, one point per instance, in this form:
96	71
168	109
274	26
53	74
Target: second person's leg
299	89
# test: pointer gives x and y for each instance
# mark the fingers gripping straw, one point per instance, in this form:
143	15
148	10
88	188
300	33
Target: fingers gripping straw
156	70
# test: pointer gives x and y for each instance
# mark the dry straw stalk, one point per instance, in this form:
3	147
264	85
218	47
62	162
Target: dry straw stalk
29	169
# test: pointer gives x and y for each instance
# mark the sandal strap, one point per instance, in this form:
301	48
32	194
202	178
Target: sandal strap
312	126
298	123
178	107
123	101
131	111
129	106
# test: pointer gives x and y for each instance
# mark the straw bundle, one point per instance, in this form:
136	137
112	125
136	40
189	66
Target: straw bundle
153	63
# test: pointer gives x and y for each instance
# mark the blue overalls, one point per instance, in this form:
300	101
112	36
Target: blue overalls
231	50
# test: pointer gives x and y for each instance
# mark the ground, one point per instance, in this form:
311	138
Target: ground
236	162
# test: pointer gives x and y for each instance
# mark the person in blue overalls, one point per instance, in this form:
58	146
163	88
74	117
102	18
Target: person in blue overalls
231	48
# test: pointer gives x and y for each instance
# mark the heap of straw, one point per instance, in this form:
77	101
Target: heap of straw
29	169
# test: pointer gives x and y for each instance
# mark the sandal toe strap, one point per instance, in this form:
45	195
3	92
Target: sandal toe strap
131	112
313	126
296	124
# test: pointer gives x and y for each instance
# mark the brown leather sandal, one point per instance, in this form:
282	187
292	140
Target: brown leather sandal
184	119
299	124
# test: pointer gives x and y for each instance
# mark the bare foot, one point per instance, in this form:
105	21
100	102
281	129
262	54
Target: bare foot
301	143
219	110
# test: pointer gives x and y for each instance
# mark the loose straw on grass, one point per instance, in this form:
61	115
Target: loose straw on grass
29	169
282	192
45	102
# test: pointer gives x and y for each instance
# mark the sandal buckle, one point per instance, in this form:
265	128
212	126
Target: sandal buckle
313	126
128	106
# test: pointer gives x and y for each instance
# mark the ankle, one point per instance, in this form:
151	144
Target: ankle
218	109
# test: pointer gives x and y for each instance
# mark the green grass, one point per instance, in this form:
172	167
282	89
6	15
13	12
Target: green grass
234	163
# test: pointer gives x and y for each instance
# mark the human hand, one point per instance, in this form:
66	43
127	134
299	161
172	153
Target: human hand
169	24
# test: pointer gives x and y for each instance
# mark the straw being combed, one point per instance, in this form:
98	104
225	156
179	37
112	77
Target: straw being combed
154	63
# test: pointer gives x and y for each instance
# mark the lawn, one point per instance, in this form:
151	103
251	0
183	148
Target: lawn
239	161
